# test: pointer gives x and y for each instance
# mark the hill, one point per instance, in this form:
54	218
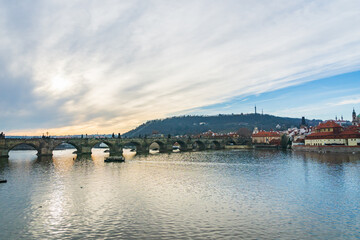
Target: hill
191	125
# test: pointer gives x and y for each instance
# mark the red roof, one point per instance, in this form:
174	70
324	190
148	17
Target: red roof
347	133
328	124
350	133
266	134
322	135
352	127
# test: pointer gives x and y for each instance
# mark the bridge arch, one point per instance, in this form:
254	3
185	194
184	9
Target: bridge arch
199	145
24	144
230	142
134	145
114	148
162	146
182	146
78	149
102	141
98	143
215	145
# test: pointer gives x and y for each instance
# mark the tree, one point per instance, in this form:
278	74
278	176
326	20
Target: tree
284	141
244	132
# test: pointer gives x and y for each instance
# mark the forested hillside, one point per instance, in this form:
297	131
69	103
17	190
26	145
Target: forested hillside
191	125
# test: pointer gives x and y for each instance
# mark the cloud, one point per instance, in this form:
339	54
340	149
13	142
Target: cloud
350	100
105	66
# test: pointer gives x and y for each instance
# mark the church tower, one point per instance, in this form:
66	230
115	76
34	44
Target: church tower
303	123
354	117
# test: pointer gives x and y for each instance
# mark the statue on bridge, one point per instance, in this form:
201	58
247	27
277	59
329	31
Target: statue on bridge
2	135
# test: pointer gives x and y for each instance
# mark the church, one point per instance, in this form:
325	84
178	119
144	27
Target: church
355	119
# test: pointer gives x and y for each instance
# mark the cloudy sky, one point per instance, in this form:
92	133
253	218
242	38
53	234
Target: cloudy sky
70	67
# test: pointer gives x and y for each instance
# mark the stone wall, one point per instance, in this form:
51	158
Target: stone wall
238	147
330	149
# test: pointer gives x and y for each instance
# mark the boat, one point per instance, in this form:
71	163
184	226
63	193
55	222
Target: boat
115	159
3	181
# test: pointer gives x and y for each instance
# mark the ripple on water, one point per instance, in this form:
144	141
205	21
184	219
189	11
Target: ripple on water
196	195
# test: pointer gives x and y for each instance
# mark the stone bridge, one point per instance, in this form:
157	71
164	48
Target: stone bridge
45	146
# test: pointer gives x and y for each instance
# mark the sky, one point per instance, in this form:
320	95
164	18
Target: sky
79	66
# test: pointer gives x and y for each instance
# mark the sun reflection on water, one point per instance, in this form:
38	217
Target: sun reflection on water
222	194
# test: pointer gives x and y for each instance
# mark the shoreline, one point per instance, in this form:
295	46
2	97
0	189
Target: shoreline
327	149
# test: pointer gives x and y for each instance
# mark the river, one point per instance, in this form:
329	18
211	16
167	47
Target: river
230	194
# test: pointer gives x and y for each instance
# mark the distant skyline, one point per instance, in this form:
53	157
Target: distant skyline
76	67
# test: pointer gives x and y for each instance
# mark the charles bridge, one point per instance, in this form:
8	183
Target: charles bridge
45	146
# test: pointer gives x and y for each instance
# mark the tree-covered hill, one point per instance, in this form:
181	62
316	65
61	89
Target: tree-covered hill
190	125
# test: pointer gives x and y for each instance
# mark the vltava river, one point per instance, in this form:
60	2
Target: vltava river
197	195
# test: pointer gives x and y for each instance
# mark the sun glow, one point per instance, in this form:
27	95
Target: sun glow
59	84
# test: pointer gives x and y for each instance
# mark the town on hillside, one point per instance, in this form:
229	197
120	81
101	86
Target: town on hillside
329	133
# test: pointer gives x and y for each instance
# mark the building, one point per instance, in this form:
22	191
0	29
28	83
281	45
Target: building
264	137
303	123
298	141
332	133
355	119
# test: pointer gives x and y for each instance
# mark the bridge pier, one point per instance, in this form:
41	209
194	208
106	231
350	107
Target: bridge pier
44	158
142	150
189	147
45	152
4	151
165	148
116	152
116	149
46	147
84	150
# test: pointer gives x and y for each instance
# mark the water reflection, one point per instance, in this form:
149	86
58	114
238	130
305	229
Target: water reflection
63	159
329	158
4	166
98	156
154	151
21	160
217	194
129	154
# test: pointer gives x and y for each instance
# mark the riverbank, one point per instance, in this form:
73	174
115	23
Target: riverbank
239	147
329	149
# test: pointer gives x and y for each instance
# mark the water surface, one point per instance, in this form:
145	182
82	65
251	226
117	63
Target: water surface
195	195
